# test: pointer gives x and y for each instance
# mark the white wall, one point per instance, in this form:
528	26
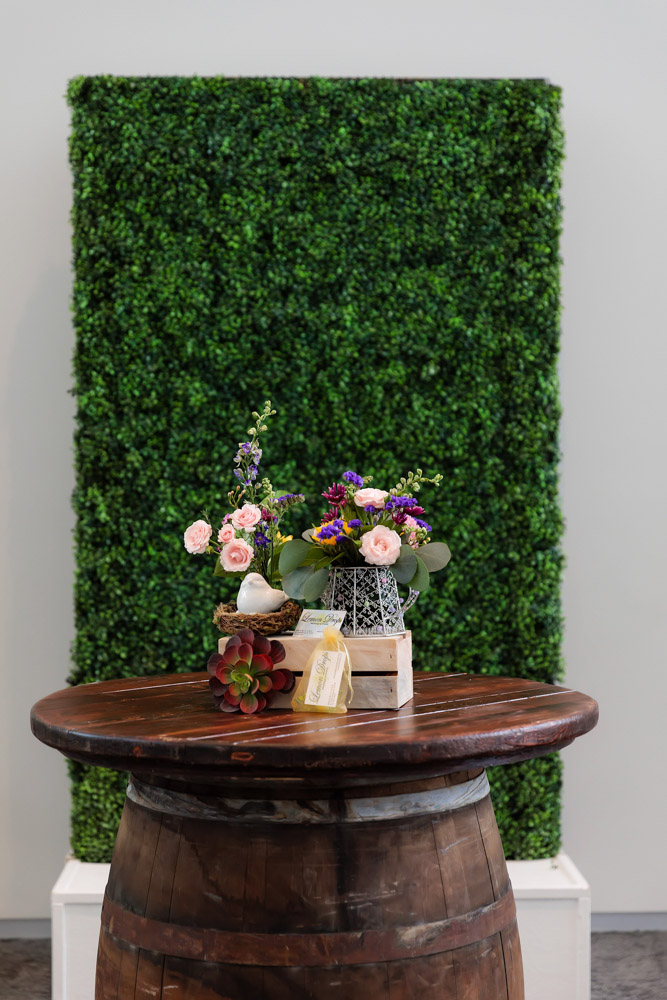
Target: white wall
609	57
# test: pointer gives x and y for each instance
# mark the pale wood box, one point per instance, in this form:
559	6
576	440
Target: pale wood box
381	667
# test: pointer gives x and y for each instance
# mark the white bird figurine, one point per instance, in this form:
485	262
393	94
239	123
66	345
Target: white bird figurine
256	596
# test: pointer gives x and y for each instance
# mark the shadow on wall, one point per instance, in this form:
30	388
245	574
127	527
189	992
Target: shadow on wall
37	568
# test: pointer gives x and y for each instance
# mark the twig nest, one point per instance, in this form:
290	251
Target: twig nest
230	621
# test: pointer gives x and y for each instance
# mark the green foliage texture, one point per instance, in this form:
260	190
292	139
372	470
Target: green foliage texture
380	259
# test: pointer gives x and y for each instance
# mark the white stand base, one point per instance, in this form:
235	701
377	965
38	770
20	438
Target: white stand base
552	900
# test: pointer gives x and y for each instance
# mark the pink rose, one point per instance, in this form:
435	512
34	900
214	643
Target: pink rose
226	533
246	517
236	556
381	546
196	537
370	497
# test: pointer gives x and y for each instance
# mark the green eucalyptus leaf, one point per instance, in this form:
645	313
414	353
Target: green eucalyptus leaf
292	555
218	570
435	555
315	586
405	566
294	582
421	580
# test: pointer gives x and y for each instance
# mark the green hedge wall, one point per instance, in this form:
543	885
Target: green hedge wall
380	259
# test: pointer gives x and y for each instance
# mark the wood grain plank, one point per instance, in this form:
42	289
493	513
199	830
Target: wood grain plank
454	718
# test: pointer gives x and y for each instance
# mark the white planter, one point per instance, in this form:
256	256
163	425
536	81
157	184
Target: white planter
553	907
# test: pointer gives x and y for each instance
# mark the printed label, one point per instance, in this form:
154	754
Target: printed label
325	679
314	621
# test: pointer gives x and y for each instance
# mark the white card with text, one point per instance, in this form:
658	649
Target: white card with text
313	621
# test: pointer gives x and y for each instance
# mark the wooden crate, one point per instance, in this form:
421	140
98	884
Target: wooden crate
381	668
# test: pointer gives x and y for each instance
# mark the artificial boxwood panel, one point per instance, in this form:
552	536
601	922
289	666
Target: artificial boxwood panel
380	259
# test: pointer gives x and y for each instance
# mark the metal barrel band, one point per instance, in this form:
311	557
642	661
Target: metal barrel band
362	809
307	950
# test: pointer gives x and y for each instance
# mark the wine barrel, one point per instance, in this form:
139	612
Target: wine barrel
383	891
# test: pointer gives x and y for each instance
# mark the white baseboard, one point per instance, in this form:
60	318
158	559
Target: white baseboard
553	908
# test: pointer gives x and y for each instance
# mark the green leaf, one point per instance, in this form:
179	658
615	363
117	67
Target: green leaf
218	570
421	580
405	566
292	555
294	582
314	588
435	555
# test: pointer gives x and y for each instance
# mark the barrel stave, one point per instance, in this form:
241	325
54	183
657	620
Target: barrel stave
380	882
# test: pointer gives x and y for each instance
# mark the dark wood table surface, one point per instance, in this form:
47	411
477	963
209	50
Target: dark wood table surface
309	856
169	723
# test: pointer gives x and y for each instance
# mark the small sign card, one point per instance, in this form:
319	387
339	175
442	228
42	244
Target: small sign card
313	621
325	679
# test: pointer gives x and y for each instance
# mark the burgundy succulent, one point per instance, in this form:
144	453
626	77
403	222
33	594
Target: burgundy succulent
243	678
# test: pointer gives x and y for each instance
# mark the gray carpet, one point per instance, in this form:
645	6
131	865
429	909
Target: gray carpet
630	966
625	967
25	969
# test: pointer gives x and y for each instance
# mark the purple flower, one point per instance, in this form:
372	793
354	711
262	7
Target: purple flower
354	523
353	478
404	502
423	524
267	515
340	538
331	530
330	515
260	539
336	494
389	505
370	509
417	510
400	517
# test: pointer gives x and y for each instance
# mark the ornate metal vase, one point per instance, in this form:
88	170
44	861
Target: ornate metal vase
369	595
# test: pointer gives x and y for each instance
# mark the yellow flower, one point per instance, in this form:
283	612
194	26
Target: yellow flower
284	538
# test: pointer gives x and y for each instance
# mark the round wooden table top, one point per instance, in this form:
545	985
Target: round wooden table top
169	725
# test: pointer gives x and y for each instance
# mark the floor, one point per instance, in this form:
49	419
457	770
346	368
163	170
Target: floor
625	967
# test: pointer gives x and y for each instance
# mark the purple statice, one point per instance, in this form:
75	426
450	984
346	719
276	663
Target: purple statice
287	499
400	517
340	537
260	539
424	524
354	523
331	530
353	478
369	508
336	494
404	502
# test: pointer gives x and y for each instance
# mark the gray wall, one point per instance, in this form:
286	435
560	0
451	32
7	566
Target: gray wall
609	57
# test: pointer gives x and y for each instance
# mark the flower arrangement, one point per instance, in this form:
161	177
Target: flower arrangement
249	538
244	678
365	526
